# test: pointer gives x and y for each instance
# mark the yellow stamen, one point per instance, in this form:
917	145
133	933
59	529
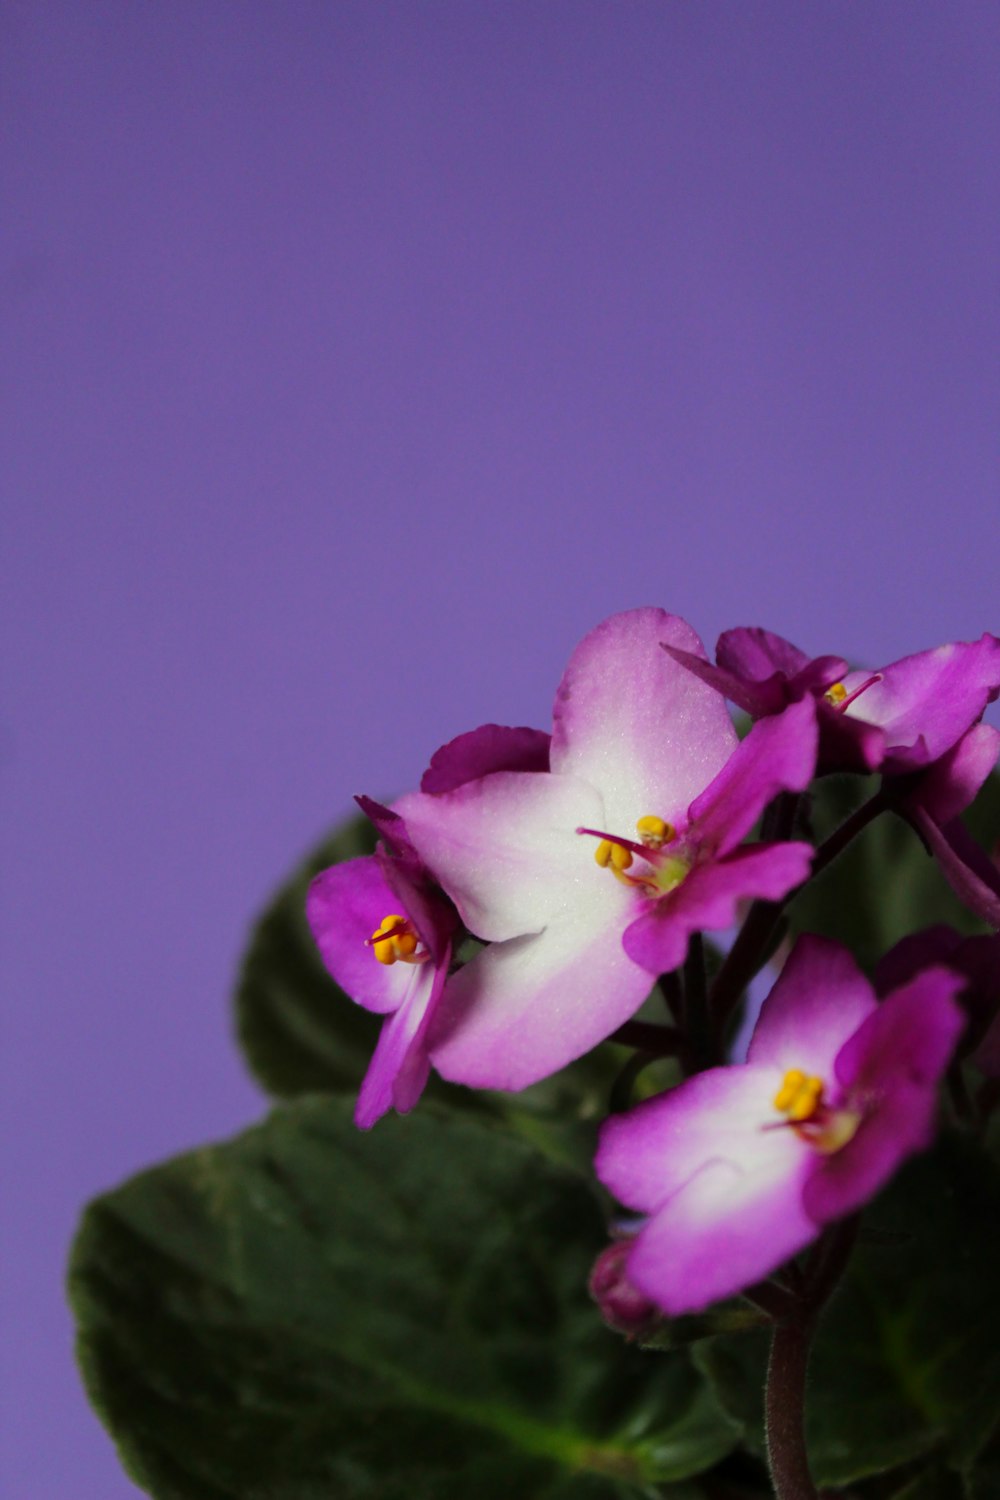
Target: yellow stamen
654	832
835	694
393	939
614	855
800	1096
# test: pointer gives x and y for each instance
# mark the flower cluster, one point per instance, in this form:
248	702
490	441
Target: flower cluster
586	861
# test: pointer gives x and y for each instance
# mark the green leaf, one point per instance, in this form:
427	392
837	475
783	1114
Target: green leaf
307	1311
885	884
905	1359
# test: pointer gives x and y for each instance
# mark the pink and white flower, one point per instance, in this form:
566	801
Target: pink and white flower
587	879
740	1167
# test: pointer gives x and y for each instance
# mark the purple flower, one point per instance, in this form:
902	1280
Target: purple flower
385	936
900	718
738	1168
589	877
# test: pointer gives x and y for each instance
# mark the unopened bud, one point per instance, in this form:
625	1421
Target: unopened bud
621	1305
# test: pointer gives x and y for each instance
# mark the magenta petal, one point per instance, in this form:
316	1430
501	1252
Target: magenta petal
399	1066
757	654
755	698
970	872
480	752
637	725
818	675
424	906
819	999
948	787
779	754
934	697
708	901
890	1069
389	826
910	1035
724	1230
521	1009
344	906
847	744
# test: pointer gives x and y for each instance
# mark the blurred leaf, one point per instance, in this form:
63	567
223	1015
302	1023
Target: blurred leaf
905	1358
885	884
307	1312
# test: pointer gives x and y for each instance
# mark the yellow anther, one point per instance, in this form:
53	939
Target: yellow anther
614	855
405	943
654	832
394	938
835	694
799	1096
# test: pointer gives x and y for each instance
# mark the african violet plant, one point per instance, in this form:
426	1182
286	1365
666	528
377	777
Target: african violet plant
790	1244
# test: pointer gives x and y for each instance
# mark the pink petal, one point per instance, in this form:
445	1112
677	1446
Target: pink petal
910	1035
344	906
520	1010
933	697
725	1230
779	754
969	871
819	1000
399	1067
754	698
482	751
506	850
635	723
647	1155
757	654
948	787
708	901
890	1069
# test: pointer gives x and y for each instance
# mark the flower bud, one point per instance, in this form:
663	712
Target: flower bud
621	1305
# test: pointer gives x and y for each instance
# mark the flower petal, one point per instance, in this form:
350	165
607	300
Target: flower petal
344	906
779	754
399	1066
932	697
757	655
755	698
891	1067
480	752
647	1155
708	901
948	787
969	871
725	1230
635	723
520	1010
506	850
819	1000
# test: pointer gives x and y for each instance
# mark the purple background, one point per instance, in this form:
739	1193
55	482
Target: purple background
357	359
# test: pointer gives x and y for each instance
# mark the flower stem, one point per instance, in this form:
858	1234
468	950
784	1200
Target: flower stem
784	1410
746	955
646	1036
849	829
785	1393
